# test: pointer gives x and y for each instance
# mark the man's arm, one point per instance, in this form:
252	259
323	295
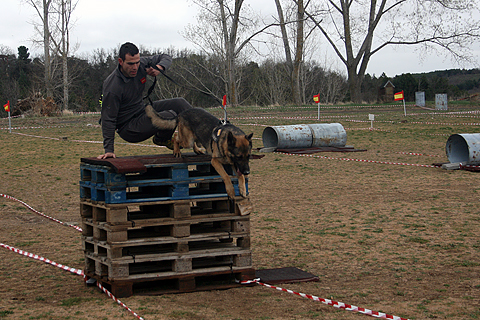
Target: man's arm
110	107
162	61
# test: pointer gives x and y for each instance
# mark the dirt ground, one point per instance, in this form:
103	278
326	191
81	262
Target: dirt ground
390	235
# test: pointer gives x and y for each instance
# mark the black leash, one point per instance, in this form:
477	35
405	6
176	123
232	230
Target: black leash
151	89
211	95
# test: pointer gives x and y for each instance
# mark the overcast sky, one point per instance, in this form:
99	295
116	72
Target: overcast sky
158	24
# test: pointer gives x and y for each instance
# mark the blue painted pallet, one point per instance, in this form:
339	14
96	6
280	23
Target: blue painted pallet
173	182
161	192
159	182
177	172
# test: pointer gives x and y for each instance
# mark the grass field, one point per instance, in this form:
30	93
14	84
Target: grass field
389	235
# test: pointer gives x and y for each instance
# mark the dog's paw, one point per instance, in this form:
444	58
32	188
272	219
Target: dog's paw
230	193
198	149
243	191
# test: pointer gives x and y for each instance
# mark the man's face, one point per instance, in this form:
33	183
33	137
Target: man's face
129	66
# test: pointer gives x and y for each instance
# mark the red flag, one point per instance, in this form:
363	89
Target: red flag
398	96
316	98
224	102
7	106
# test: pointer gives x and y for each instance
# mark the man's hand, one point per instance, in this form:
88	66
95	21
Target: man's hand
154	72
107	155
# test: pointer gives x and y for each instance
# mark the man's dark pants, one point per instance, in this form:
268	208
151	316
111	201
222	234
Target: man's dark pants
140	128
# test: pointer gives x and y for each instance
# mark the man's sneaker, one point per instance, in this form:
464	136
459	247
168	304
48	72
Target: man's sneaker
167	143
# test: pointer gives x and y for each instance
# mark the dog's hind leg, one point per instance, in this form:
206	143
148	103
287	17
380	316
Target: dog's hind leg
176	145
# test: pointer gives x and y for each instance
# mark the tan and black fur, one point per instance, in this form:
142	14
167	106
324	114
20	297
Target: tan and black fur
227	144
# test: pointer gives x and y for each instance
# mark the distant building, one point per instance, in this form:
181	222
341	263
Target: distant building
385	93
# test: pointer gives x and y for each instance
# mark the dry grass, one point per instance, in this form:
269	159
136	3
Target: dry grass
400	239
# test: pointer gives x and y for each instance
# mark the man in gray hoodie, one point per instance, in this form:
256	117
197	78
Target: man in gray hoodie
123	108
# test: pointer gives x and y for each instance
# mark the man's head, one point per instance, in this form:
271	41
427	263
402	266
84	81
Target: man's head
129	59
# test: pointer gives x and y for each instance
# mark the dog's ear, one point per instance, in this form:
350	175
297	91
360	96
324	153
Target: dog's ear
249	137
231	139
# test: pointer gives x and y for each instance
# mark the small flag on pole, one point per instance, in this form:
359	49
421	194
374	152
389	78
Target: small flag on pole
398	96
7	106
316	98
224	102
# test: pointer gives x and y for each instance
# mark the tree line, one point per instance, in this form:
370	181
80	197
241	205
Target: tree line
198	78
430	83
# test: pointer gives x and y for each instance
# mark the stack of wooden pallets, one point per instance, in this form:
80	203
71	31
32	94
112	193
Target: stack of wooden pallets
167	227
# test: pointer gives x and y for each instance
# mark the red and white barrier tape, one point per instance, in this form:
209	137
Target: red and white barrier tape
88	141
34	136
19	128
360	160
448	124
108	293
39	258
419	154
330	107
40	213
336	304
396	132
72	270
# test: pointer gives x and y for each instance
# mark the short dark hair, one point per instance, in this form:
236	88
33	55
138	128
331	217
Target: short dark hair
129	48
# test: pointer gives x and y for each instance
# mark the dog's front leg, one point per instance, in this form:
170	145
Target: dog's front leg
241	183
226	178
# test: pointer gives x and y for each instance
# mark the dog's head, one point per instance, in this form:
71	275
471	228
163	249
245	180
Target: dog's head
239	151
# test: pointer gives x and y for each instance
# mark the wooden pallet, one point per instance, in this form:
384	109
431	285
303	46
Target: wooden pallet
196	281
165	228
141	250
152	212
100	174
168	264
157	191
159	183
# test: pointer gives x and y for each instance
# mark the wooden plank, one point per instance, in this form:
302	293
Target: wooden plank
161	252
164	228
153	213
159	266
218	280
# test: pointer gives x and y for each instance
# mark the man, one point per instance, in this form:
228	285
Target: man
123	108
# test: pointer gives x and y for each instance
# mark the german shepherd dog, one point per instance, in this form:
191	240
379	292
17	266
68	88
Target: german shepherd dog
226	143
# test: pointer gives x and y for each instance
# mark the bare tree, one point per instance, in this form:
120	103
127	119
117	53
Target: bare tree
294	63
224	31
357	29
55	17
43	8
61	43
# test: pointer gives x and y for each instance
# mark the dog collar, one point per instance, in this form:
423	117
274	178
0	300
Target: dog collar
216	132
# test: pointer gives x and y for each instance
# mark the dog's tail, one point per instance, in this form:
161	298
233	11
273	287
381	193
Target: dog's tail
158	121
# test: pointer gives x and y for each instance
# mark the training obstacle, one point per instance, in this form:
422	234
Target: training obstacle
160	224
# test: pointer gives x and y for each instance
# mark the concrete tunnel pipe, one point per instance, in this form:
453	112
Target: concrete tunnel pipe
305	136
464	148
